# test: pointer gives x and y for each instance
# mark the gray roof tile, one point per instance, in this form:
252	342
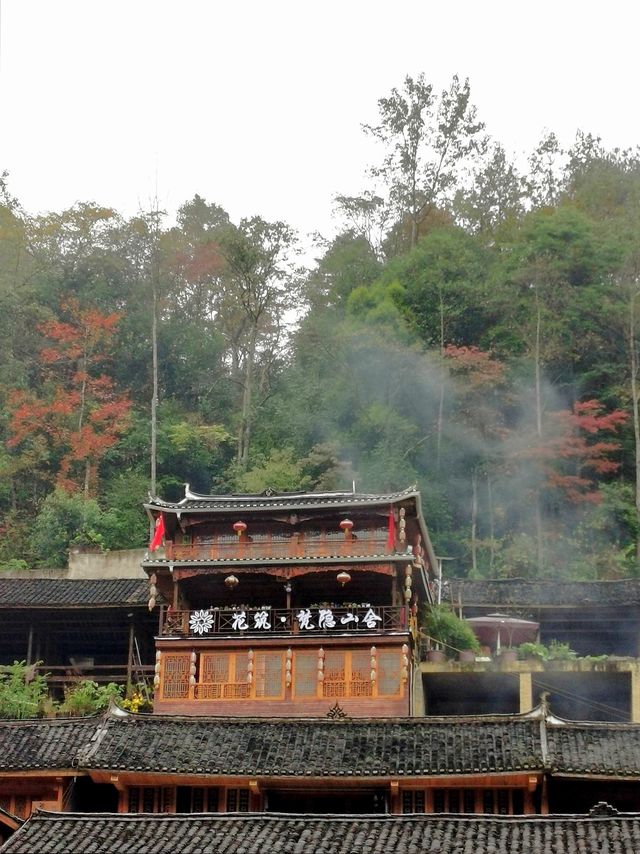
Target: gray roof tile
598	749
59	833
67	593
47	744
515	592
358	747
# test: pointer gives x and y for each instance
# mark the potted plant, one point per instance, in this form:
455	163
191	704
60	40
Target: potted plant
533	650
451	634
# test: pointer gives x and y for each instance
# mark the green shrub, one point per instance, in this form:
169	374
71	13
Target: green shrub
447	629
87	697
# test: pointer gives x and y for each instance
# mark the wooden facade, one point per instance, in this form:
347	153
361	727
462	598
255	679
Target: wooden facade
289	605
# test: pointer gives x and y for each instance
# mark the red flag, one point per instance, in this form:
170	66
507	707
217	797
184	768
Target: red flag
391	539
158	534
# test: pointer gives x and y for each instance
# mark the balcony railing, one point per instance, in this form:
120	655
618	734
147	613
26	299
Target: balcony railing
317	620
267	546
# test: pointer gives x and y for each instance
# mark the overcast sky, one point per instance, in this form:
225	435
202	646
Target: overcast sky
257	105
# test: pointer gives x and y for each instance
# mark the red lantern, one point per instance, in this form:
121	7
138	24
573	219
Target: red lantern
346	526
239	528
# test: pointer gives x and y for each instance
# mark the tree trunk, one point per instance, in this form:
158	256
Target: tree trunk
244	434
474	521
538	403
633	357
492	530
439	425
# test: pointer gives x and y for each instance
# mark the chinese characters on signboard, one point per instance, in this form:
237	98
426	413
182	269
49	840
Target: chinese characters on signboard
307	619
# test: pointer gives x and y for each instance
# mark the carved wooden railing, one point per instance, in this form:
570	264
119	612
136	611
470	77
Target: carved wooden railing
316	620
267	547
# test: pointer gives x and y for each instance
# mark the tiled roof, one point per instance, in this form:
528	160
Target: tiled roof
45	744
59	833
64	592
516	592
286	500
319	748
594	749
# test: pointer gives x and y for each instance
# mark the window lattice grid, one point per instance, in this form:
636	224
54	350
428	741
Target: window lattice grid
389	666
305	674
360	684
334	683
237	800
175	675
268	674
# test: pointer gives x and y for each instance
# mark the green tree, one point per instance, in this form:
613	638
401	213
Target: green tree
427	137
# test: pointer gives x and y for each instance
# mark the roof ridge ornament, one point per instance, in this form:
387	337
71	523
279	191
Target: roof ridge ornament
337	713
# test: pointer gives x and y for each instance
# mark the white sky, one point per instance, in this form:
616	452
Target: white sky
257	105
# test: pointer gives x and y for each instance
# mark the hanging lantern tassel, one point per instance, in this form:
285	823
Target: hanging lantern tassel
402	533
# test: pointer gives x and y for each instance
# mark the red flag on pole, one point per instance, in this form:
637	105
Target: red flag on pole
158	534
391	539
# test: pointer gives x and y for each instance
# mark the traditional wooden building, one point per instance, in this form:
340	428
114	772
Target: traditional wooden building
289	605
93	628
120	762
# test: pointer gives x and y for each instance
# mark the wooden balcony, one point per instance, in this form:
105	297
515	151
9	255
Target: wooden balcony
251	622
268	546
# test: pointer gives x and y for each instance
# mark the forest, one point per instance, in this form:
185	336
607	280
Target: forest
472	328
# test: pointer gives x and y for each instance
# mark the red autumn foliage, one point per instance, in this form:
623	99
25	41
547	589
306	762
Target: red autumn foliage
78	411
477	365
569	445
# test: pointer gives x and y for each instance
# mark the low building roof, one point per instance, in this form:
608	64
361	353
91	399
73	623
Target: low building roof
516	592
594	749
71	593
316	748
372	748
101	833
44	744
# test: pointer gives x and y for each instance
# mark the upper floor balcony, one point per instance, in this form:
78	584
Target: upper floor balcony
270	546
313	620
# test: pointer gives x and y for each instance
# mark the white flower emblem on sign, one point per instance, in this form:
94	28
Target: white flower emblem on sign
200	622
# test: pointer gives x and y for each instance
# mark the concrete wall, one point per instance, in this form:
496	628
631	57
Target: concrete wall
119	564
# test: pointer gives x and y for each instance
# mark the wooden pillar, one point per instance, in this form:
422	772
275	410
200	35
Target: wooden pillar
526	692
130	659
30	644
635	693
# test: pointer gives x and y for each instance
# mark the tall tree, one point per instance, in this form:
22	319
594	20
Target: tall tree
261	286
78	411
428	137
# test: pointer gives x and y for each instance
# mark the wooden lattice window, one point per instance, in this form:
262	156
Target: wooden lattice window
151	799
413	801
191	799
237	800
268	674
306	674
489	801
389	667
334	683
175	675
234	676
347	673
360	684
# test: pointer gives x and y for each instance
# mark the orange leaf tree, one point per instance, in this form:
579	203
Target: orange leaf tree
77	409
